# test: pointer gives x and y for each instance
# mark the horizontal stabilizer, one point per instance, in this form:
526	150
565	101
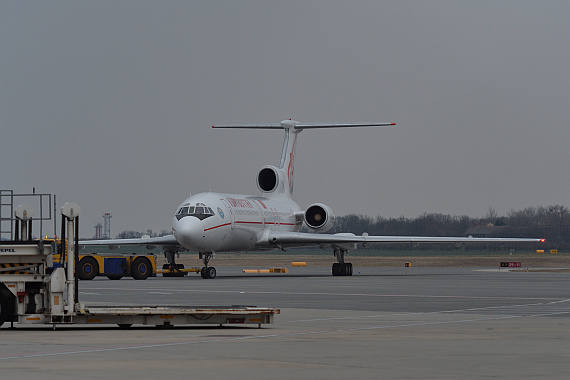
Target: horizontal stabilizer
287	124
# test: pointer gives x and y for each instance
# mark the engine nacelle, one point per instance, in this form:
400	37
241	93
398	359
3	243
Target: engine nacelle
319	217
268	179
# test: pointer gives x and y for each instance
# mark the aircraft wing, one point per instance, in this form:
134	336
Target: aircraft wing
279	239
168	241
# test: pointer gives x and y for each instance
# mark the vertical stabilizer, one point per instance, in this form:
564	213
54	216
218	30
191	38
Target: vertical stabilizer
287	164
272	180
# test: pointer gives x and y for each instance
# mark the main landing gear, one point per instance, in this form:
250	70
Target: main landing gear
207	272
172	266
341	268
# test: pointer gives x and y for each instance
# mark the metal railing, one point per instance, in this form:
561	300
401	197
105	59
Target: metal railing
40	203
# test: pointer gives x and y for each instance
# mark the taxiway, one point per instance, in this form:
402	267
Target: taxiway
413	323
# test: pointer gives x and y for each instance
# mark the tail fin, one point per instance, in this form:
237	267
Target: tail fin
287	163
292	129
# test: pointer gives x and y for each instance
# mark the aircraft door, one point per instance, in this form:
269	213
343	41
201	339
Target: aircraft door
260	214
231	212
276	217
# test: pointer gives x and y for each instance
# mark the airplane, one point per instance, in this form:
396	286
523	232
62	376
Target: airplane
210	222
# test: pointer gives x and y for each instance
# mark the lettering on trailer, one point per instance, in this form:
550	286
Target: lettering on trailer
2	250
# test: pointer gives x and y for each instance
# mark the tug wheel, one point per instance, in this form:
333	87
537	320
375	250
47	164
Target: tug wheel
141	268
88	268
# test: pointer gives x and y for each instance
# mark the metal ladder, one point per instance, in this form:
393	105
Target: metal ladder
42	203
6	214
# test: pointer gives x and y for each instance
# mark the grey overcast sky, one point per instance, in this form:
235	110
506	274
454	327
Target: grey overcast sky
110	103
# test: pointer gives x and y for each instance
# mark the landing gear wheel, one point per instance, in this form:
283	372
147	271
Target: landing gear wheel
336	269
173	273
348	269
115	276
342	269
141	268
88	268
164	267
208	272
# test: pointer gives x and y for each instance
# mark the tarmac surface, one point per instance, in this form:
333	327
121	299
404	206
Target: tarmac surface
399	323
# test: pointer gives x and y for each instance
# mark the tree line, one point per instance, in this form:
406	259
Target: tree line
135	234
551	223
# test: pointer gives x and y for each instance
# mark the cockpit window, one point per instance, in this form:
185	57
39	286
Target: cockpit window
200	211
183	210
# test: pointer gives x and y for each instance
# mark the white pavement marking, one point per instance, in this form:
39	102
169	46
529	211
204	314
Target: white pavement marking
415	324
436	312
328	294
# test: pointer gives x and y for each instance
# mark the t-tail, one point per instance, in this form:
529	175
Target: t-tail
273	180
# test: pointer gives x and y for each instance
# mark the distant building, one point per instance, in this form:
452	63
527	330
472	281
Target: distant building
98	231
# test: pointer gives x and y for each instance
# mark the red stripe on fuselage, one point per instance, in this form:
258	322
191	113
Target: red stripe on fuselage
280	224
212	228
244	222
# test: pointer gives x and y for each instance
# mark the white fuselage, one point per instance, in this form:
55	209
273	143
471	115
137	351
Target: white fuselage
218	222
215	222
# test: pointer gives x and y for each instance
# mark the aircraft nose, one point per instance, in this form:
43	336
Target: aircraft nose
189	232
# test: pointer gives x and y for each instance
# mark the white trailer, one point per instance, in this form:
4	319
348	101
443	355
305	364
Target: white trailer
28	295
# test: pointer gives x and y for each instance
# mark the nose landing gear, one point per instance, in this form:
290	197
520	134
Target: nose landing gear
207	272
